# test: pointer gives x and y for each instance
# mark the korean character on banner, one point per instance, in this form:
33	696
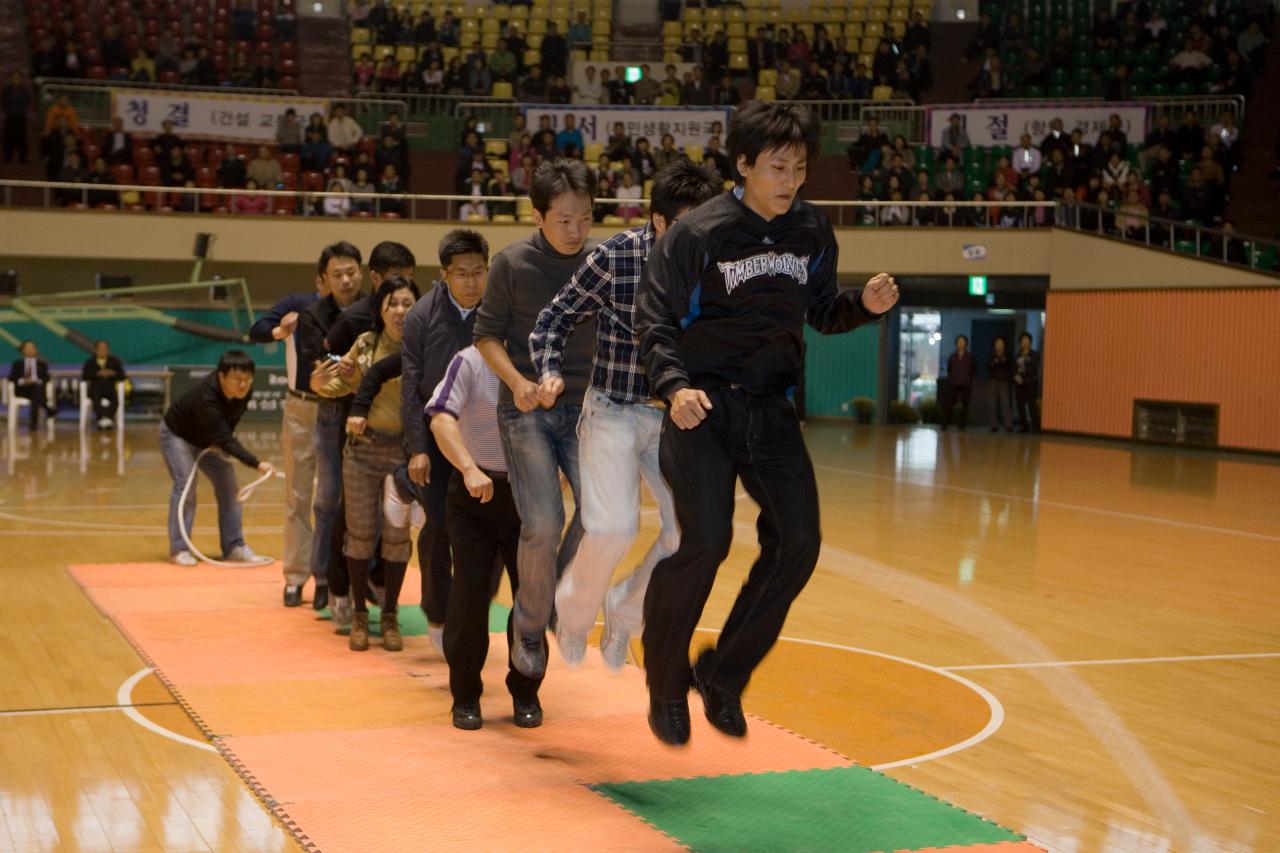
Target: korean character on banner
137	110
179	113
678	128
998	127
650	128
664	127
242	119
695	128
1038	128
633	128
1082	125
266	120
588	124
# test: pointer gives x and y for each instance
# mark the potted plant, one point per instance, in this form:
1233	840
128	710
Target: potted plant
864	408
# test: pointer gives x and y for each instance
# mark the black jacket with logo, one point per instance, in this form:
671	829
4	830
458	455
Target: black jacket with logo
725	296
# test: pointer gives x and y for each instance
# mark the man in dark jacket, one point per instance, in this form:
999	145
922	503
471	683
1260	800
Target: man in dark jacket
30	376
720	315
440	324
103	371
1026	384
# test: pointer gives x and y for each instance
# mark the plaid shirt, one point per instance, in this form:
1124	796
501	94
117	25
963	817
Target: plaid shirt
606	285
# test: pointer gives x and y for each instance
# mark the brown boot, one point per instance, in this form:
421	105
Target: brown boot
359	639
391	640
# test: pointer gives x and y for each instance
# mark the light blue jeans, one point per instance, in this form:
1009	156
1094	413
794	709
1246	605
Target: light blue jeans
618	446
180	456
538	444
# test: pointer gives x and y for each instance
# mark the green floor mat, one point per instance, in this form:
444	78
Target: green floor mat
413	622
847	808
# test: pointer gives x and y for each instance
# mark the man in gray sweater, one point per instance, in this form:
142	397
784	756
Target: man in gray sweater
539	443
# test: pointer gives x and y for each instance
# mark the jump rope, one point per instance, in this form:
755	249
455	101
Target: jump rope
241	496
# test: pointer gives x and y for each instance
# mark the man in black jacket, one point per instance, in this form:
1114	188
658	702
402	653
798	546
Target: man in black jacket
720	317
437	328
30	376
206	417
103	371
1026	384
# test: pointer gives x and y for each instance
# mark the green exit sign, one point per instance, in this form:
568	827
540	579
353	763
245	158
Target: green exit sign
977	285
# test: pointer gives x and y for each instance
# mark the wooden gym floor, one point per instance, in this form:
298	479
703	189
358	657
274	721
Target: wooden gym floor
1077	640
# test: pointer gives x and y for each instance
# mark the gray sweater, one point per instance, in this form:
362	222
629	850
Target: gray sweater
523	279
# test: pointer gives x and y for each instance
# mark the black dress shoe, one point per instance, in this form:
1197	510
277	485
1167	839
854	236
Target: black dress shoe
466	715
292	595
528	714
723	708
320	600
669	720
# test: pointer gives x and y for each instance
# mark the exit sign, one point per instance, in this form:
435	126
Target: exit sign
977	285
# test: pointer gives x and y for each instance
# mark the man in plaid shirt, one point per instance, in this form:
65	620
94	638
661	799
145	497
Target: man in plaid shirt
620	426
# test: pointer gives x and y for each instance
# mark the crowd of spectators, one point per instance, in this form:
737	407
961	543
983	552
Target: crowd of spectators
242	44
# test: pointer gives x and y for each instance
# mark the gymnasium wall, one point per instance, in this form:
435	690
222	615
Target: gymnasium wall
839	368
1107	349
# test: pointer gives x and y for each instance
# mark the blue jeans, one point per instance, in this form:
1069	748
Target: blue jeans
538	443
330	435
180	456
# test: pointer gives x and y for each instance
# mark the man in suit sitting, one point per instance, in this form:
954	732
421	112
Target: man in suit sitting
29	375
102	372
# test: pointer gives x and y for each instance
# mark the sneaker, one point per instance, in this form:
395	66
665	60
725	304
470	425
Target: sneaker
105	423
340	608
244	554
183	558
529	655
573	647
436	634
615	647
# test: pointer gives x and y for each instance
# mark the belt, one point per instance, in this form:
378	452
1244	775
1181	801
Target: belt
372	436
494	475
303	395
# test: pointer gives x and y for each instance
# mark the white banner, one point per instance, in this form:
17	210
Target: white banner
1004	124
229	118
689	125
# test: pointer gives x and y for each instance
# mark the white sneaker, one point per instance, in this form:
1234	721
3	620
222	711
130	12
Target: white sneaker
105	423
615	647
340	608
183	558
436	633
573	647
244	554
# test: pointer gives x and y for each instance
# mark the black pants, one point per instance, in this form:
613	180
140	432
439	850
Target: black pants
15	138
433	540
36	394
480	533
759	440
102	392
959	394
1026	396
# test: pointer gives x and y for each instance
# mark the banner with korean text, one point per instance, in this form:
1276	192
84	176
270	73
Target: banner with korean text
688	125
1004	123
229	118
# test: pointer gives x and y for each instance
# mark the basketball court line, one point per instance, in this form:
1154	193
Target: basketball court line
1111	662
1190	525
123	696
81	709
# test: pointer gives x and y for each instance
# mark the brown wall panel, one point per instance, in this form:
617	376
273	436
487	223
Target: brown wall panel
1108	348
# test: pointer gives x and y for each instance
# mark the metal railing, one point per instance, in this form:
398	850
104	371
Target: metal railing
1186	237
1176	235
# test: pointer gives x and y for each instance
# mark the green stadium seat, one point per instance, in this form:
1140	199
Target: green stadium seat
1059	77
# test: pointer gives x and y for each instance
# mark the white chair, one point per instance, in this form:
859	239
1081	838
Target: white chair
86	406
13	402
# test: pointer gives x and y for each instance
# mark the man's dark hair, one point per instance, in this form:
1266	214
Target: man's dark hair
679	185
389	254
1026	335
765	125
1001	339
390	285
25	342
95	343
235	359
553	179
341	249
463	241
960	338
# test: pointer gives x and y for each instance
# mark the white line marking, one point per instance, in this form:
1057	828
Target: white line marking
124	697
993	722
1190	525
1112	662
109	507
49	712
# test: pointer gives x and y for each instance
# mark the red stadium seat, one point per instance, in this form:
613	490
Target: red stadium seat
362	214
122	173
195	155
290	162
288	50
150	176
169	77
143	157
91	153
96	72
206	178
313	181
390	214
287	82
289	180
107	207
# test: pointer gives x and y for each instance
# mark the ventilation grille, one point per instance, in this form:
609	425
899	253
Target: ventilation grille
1164	422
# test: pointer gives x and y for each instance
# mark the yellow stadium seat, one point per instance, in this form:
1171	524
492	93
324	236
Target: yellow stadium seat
600	13
406	53
713	15
669	28
874	30
495	147
360	35
882	93
766	93
502	89
560	10
694	153
877	14
767	77
503	217
856	15
521	12
599	56
671	56
693	14
648	188
534	41
755	17
735	14
899	13
382	51
524	207
773	16
538	25
853	31
739	62
591	152
358	50
736	29
728	185
476	217
489	41
490	25
448	53
497	165
752	4
577	55
611	219
618	166
737	45
532	57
